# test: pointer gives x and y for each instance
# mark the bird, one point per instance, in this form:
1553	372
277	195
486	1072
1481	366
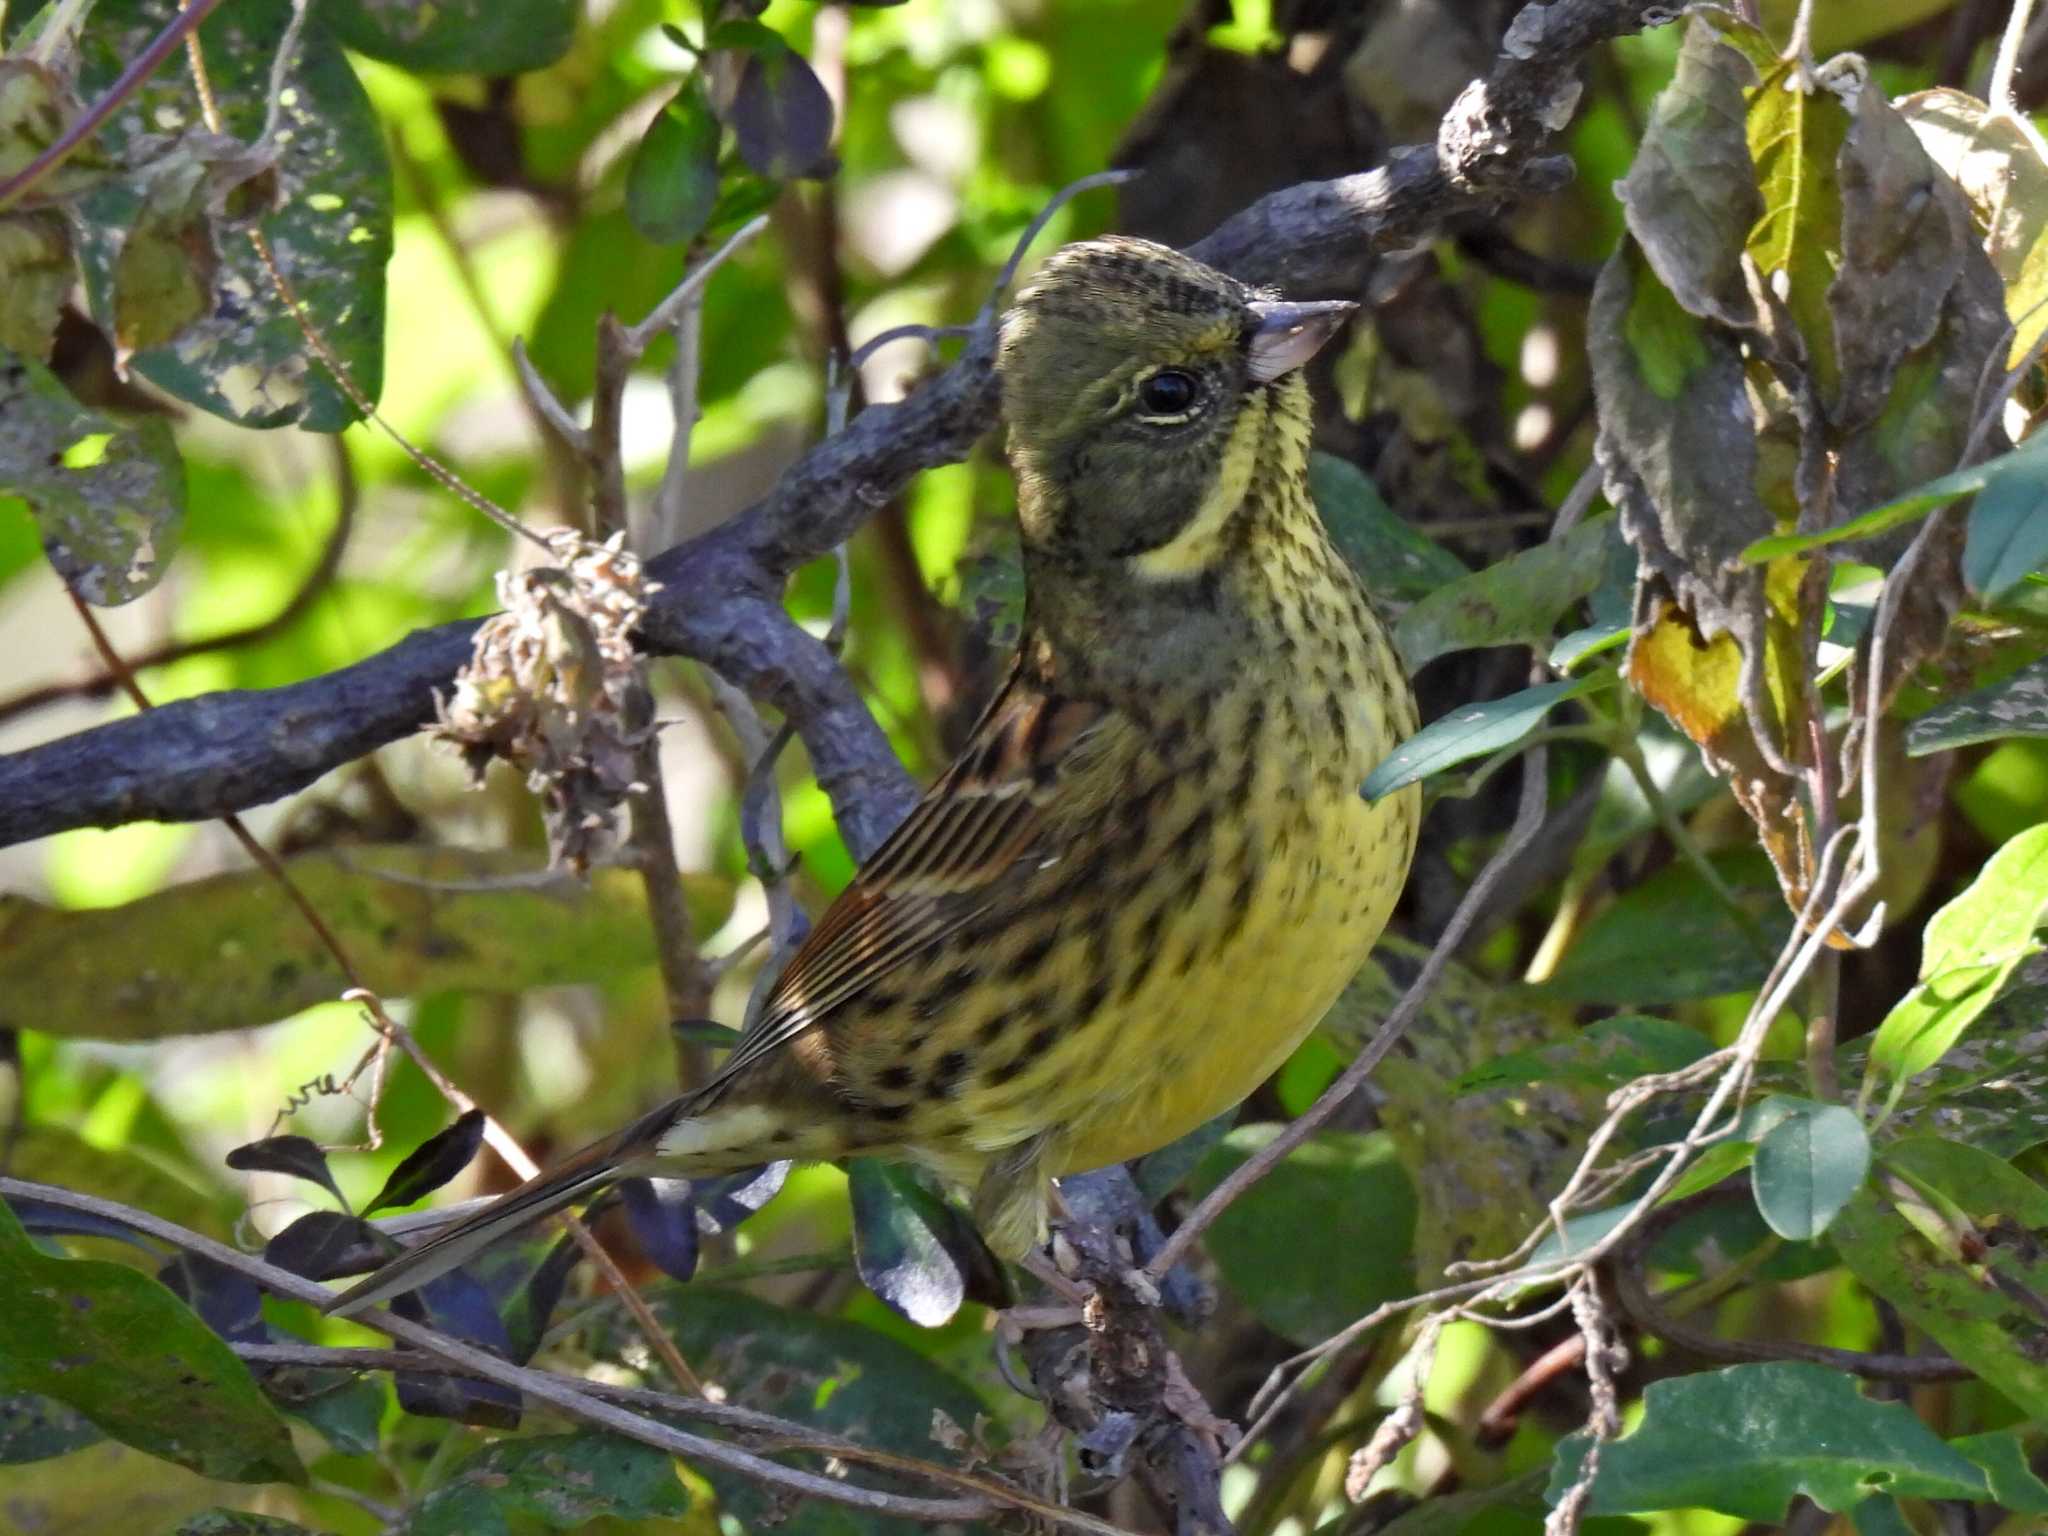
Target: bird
1151	869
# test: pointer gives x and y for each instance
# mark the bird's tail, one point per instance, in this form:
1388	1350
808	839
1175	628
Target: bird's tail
577	1178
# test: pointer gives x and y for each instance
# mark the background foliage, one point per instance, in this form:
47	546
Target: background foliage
1632	461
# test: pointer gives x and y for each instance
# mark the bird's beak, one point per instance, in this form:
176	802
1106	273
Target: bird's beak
1284	336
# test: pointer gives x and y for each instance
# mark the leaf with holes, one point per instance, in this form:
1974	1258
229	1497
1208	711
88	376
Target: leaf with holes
245	358
1746	1441
126	1354
34	1428
1807	1167
108	500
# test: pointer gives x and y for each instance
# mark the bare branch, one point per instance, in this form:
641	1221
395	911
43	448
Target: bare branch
722	591
582	1401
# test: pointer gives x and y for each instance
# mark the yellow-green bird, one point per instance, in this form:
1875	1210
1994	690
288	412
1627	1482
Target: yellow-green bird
1150	871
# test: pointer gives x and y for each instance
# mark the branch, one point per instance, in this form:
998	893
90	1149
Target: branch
587	1403
722	602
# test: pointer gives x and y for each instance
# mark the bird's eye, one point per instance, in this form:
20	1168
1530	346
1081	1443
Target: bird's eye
1168	392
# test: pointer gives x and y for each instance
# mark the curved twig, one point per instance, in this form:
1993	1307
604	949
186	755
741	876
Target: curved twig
317	580
585	1402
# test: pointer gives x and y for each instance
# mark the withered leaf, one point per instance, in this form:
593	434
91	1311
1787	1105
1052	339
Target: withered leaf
1691	197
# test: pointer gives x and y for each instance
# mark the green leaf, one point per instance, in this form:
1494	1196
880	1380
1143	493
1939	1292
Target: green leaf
827	1372
1980	1325
2026	460
477	37
672	183
1747	1440
417	920
239	1522
1603	1055
108	500
2007	539
919	1254
1807	1166
1970	948
1796	130
1990	1090
1395	562
1879	1515
1476	730
562	1481
131	1357
2015	706
36	1428
35	274
1715	1163
2003	1457
1671	940
1322	1239
1513	602
246	358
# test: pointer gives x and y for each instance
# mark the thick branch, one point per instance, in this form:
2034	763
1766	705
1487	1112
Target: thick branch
721	601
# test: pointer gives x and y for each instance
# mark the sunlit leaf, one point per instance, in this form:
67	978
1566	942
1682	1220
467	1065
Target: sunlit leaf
1743	1441
1982	1326
108	499
1796	131
246	358
35	274
1969	949
1996	160
921	1256
1475	730
124	1352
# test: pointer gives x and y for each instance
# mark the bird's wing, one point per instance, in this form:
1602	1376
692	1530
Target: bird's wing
937	870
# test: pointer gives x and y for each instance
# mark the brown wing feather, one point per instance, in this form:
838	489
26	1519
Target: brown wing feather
938	869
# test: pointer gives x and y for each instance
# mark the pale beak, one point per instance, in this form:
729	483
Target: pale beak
1284	336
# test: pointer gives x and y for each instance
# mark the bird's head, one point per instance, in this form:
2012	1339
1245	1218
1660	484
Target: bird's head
1141	388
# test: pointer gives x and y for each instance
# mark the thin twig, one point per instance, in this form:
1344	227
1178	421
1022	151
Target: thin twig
317	580
93	118
2005	68
577	1398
